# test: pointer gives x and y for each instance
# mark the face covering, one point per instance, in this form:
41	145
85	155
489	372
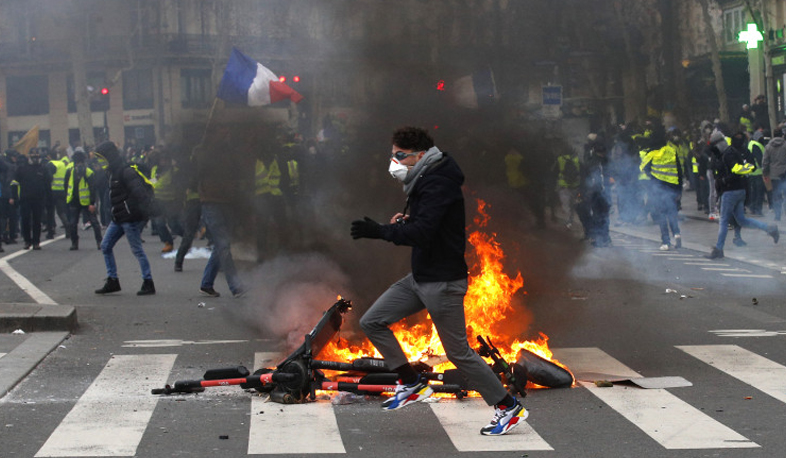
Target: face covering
398	170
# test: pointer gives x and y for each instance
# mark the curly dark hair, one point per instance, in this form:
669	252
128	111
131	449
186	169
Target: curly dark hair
412	138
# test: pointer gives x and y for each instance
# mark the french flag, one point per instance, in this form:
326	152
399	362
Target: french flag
247	82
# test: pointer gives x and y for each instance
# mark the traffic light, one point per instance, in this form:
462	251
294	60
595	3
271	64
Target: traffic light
104	91
441	85
296	79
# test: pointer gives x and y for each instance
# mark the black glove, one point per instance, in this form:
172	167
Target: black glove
366	228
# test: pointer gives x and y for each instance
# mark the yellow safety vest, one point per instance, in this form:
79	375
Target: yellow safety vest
58	179
83	187
294	174
268	179
695	163
163	185
664	164
516	179
751	144
561	162
642	155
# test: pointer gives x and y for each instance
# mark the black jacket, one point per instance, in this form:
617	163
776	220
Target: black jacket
435	228
127	194
725	179
35	183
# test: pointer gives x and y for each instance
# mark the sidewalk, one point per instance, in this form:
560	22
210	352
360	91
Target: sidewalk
700	234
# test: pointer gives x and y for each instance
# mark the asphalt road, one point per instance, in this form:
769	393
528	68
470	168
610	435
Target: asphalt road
627	311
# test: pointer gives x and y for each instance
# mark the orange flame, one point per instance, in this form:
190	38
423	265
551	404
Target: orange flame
487	303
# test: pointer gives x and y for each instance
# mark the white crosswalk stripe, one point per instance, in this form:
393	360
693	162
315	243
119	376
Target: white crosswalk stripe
462	421
111	417
664	417
318	418
757	371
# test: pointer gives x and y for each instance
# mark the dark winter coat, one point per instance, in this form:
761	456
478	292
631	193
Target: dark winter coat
725	179
127	195
435	228
35	183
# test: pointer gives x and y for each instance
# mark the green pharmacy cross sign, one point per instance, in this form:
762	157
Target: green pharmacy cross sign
752	36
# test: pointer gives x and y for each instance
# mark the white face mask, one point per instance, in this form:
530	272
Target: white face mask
398	170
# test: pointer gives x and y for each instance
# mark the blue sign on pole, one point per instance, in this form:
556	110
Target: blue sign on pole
552	95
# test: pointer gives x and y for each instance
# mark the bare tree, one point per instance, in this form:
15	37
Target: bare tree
717	70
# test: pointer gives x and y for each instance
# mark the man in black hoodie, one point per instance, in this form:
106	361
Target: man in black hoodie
730	169
129	200
434	228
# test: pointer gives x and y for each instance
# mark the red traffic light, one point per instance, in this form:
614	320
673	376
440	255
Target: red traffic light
441	85
296	79
104	90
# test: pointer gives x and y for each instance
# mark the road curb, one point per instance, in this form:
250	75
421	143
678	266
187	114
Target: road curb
37	318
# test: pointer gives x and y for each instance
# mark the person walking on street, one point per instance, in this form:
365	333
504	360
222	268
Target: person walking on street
81	199
129	200
730	168
773	166
662	164
57	202
217	181
435	228
34	188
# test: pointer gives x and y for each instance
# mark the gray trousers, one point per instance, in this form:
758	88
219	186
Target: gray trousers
444	301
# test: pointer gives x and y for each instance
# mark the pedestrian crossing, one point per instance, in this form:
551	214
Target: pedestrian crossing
111	417
712	266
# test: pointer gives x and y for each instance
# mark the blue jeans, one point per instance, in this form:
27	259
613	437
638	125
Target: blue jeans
667	203
778	191
221	257
132	232
732	206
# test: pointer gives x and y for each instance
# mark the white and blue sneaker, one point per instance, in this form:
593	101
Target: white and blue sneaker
505	419
408	394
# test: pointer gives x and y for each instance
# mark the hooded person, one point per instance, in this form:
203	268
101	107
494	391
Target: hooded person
773	165
730	169
128	197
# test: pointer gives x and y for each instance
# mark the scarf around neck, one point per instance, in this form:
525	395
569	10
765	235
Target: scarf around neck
432	156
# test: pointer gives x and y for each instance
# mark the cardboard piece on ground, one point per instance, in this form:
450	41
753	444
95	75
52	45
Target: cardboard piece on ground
642	382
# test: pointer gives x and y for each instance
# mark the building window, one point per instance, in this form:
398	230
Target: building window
734	22
140	136
44	138
75	137
27	95
95	82
196	88
138	89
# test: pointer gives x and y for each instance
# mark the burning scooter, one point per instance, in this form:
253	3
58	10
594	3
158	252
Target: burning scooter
298	376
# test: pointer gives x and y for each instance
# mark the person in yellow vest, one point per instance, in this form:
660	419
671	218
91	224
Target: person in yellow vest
756	188
163	176
662	165
55	203
81	199
568	181
269	204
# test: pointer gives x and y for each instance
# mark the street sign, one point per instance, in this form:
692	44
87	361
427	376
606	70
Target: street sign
552	101
552	95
